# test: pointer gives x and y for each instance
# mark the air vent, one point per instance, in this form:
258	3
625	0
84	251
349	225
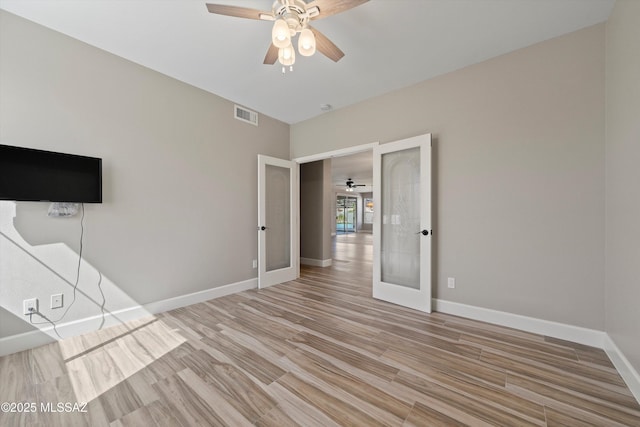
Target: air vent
245	115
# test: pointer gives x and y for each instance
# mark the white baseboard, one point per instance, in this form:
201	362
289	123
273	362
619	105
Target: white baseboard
196	297
590	337
316	262
32	339
23	341
562	331
624	367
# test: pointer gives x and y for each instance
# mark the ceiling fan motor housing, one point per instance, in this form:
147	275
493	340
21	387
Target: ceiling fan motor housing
294	16
294	13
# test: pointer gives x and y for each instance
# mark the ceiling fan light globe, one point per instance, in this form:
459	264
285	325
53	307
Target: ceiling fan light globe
306	43
280	34
287	55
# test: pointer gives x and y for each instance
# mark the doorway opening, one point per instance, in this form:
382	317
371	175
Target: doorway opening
347	203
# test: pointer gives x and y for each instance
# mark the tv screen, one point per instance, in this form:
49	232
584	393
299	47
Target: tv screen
36	175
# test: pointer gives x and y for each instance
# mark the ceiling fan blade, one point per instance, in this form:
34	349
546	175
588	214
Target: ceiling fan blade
326	46
239	12
332	7
271	56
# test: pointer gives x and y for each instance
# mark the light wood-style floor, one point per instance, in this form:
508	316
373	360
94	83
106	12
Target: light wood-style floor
318	351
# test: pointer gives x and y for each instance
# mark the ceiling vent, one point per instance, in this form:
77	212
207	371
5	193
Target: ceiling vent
245	115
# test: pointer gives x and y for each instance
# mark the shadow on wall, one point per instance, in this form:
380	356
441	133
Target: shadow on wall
28	271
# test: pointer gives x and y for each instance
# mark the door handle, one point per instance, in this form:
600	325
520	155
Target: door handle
423	232
262	228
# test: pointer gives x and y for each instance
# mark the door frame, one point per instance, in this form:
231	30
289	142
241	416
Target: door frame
312	158
355	149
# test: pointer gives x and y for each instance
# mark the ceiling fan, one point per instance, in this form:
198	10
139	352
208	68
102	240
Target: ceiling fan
291	17
352	185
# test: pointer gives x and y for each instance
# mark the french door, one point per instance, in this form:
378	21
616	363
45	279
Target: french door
346	214
277	219
402	222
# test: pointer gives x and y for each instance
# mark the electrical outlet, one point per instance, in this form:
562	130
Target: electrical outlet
56	301
30	306
451	282
255	263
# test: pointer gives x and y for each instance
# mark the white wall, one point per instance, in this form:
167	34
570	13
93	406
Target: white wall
179	184
519	174
622	179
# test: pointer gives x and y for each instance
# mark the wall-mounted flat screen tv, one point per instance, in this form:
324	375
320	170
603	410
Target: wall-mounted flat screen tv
36	175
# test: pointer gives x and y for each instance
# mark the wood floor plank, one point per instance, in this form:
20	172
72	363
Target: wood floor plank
320	368
422	415
255	364
585	353
583	385
18	380
596	406
472	406
494	395
347	333
316	351
550	359
164	367
63	390
341	412
222	409
446	362
162	416
276	417
515	338
119	401
298	410
272	336
139	417
271	311
557	418
187	404
412	340
141	383
343	353
47	362
235	387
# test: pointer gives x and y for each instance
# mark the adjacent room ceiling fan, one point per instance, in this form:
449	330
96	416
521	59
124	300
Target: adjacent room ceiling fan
351	185
291	18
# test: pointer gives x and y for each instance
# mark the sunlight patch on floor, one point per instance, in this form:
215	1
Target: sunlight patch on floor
95	367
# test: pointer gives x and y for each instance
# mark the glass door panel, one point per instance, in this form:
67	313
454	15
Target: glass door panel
277	221
350	214
277	217
400	240
340	216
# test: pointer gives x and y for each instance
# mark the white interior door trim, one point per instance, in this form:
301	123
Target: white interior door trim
337	153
